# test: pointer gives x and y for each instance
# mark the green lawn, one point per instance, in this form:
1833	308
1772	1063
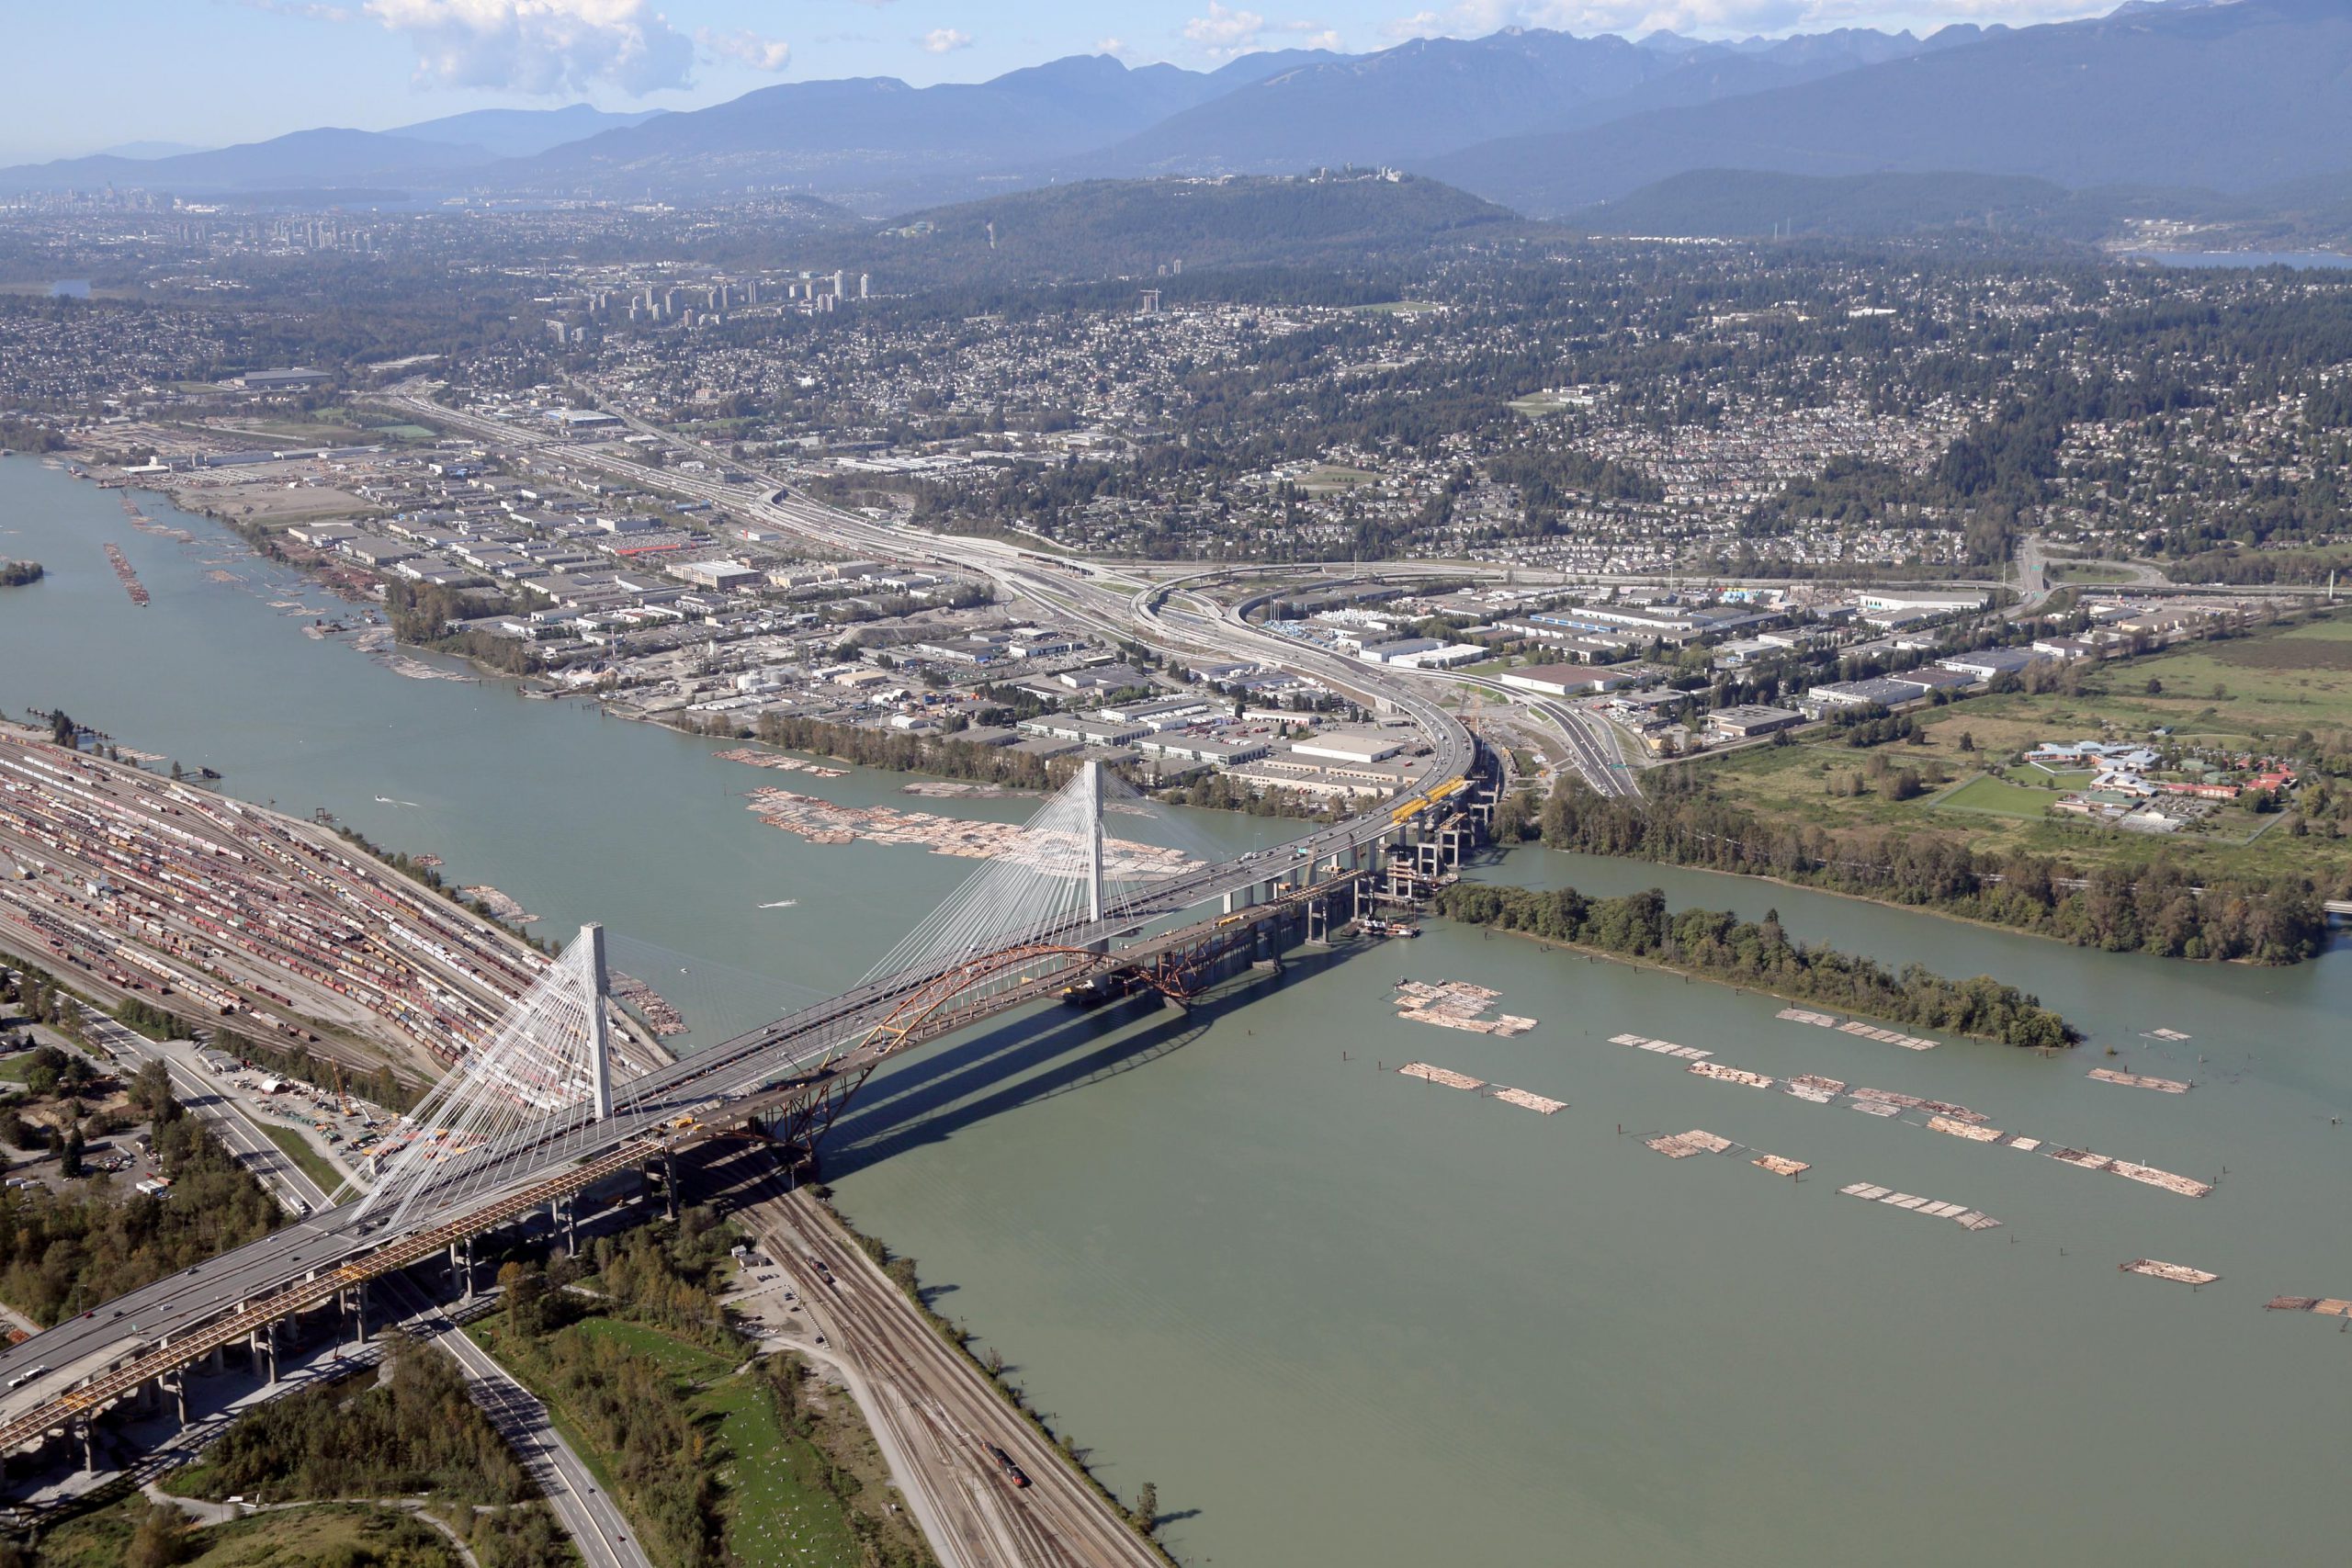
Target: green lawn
305	1154
1332	476
330	1532
778	1511
1999	798
690	1363
2032	777
2253	692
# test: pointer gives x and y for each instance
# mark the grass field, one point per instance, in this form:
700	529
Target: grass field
2257	693
777	1510
2032	777
305	1154
1998	796
1324	477
778	1514
288	1538
2088	571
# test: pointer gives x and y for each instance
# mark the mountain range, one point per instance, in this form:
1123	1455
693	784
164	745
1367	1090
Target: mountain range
2226	97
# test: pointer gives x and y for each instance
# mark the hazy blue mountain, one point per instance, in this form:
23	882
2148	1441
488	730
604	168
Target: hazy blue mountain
307	159
1745	203
876	138
1102	229
149	150
2229	97
520	133
1407	102
1425	98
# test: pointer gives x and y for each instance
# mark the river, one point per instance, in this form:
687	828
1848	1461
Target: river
1341	1316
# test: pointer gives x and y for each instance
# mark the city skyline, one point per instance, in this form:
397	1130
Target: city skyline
238	70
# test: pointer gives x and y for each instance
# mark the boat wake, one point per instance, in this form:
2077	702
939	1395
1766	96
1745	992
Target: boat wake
783	903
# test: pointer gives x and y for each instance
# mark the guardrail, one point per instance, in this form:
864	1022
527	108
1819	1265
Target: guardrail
109	1387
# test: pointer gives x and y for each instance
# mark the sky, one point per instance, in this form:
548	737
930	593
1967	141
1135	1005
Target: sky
83	75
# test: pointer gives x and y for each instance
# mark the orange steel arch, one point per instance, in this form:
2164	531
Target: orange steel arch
924	1003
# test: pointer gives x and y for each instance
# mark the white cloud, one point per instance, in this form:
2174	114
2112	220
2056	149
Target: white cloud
747	47
541	46
945	40
1111	46
1229	32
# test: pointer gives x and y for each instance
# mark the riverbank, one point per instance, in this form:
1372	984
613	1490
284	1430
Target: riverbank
1717	946
2152	907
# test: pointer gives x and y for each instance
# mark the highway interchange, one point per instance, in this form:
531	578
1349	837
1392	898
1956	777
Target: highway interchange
137	1330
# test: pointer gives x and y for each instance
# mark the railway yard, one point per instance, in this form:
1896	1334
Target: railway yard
130	884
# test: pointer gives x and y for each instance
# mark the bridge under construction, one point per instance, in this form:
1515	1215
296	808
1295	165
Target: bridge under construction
540	1110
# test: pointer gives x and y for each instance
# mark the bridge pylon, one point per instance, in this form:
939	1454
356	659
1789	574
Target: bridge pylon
600	1064
1094	838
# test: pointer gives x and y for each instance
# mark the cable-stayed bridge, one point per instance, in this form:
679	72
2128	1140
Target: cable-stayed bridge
538	1110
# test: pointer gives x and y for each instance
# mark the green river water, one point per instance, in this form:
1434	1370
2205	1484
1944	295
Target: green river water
1339	1316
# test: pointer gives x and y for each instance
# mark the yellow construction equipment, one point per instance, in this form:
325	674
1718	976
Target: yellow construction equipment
1421	803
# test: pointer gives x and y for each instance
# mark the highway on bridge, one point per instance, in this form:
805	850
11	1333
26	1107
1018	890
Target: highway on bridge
115	1346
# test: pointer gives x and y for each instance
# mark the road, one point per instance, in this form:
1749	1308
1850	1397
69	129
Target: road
595	1526
587	1512
936	1416
119	1344
252	1148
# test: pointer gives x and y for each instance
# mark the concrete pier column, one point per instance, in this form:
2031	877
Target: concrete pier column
359	1312
212	1362
1094	839
267	1345
670	1182
179	1396
88	1431
600	1067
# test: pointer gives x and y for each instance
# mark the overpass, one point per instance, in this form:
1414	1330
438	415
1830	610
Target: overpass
785	1080
792	1073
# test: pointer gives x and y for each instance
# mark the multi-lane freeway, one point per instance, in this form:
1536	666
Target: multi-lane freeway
126	1338
588	1514
110	1347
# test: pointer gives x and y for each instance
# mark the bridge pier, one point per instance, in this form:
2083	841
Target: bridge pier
265	1348
214	1361
87	1431
600	1071
179	1396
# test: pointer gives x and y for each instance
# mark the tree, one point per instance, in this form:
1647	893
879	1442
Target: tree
151	1091
524	1290
2155	688
1146	1513
69	1160
160	1540
1967	741
62	729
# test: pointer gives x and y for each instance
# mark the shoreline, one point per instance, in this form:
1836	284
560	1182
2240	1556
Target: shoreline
1603	955
539	688
1937	910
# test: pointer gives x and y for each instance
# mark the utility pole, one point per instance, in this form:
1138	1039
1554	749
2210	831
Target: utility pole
600	1070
